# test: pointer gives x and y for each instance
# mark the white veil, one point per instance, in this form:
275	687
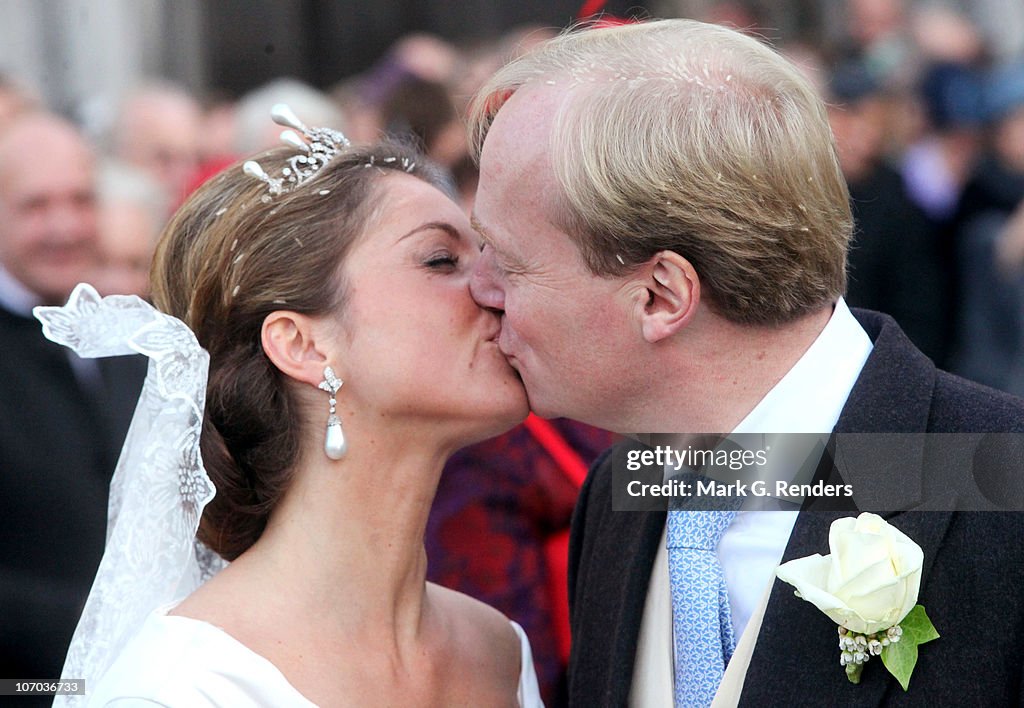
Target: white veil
159	489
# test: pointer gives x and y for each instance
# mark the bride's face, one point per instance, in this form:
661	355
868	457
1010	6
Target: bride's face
416	347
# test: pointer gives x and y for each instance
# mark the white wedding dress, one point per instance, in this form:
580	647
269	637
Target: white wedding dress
182	662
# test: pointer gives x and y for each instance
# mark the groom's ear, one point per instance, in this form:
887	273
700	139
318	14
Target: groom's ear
290	341
671	291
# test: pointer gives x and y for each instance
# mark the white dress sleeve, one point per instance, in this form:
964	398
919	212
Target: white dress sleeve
529	690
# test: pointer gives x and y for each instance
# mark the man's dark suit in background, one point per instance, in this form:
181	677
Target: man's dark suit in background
61	423
60	438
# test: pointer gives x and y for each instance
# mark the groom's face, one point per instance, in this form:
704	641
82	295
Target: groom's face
564	329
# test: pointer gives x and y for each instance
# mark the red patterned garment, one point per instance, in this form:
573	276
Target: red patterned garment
497	505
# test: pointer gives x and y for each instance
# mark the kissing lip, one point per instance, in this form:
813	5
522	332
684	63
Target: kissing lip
495	332
508	357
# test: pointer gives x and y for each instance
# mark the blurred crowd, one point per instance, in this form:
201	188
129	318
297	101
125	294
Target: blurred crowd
929	126
930	133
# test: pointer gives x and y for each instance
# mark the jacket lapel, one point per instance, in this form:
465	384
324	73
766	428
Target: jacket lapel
797	652
614	599
610	597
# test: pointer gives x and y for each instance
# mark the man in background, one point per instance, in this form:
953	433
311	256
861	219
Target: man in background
157	130
894	260
62	418
132	213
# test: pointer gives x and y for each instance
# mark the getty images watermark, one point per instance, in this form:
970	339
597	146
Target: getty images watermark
696	469
832	472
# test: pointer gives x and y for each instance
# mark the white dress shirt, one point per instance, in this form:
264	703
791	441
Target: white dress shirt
16	298
808	399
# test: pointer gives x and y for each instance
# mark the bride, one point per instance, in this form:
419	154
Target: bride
347	361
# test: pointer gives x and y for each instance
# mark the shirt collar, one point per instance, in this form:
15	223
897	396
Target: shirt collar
810	397
15	297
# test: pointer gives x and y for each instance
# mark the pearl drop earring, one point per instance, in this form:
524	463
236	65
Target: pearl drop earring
335	444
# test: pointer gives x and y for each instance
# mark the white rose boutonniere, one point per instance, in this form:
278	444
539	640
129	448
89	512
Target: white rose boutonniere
868	585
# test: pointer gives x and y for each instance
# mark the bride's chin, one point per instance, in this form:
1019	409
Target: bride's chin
491	426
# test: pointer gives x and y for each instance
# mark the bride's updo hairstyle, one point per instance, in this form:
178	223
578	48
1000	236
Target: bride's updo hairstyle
231	255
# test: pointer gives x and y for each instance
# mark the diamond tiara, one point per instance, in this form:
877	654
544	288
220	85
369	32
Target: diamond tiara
317	146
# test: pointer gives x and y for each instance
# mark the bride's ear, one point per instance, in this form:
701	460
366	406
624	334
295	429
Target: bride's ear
294	343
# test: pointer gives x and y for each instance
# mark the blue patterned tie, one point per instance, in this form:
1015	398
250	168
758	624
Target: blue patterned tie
701	622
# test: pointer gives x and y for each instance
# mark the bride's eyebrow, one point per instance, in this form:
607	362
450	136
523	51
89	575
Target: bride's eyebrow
434	226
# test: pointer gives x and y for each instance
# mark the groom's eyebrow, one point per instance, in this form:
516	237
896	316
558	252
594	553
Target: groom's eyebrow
478	227
506	261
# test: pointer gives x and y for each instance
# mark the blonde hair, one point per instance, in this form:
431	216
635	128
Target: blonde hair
683	136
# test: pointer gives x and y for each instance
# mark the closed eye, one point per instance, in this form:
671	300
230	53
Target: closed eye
443	260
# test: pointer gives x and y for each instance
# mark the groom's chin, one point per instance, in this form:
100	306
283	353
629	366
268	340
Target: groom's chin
542	407
544	401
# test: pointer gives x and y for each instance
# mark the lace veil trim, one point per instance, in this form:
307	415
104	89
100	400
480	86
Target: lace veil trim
159	488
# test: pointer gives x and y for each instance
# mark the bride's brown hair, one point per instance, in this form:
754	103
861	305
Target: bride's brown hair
230	256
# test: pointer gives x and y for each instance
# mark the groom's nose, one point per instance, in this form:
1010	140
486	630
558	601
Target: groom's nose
483	283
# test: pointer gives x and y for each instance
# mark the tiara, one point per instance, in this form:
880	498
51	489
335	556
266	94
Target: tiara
317	145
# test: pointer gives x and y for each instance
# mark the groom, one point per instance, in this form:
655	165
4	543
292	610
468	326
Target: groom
665	231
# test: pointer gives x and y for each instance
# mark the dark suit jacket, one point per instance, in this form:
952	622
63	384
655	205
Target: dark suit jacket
59	442
972	581
894	261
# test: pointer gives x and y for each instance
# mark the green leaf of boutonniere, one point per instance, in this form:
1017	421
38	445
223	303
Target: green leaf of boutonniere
901	657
